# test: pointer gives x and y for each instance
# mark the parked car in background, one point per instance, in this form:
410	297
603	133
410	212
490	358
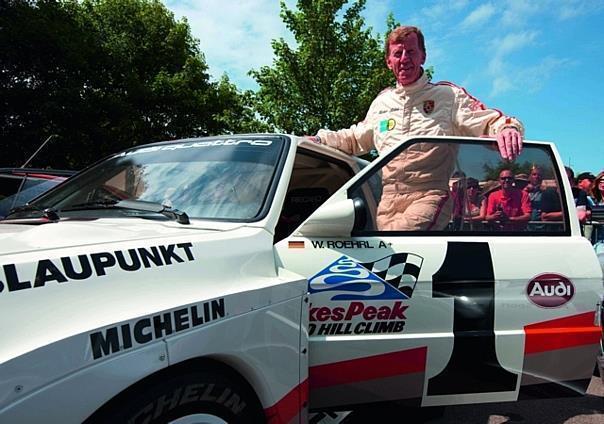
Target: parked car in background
20	185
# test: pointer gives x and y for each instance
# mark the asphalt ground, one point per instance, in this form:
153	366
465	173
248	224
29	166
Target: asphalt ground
588	409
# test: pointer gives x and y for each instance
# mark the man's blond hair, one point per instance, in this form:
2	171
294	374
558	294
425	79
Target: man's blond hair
398	34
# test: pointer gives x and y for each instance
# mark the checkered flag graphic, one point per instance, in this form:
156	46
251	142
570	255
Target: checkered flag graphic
400	270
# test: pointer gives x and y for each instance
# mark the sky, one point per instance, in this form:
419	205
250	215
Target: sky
539	60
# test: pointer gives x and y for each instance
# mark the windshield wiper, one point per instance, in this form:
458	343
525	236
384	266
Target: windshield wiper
48	213
140	205
97	204
135	205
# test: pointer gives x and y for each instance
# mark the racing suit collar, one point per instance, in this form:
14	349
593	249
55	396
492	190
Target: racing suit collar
413	87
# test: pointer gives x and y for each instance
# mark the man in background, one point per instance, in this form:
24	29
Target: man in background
509	208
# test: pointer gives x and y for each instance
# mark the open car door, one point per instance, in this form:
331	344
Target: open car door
463	311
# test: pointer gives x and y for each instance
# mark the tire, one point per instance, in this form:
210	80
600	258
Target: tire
195	397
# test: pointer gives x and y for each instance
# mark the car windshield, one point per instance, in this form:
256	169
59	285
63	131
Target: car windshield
31	189
220	178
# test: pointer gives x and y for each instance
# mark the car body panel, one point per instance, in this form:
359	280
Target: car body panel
115	299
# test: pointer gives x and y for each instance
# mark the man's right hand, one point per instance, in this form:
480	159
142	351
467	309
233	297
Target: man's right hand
509	141
313	138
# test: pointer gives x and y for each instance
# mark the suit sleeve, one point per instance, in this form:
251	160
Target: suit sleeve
474	119
356	140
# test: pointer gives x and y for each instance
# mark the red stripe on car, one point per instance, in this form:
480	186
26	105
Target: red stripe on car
561	333
289	406
368	368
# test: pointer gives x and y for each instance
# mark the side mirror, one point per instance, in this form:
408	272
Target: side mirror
337	219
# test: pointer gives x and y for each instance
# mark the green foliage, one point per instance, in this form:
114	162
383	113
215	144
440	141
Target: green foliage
331	77
105	75
429	72
236	112
492	172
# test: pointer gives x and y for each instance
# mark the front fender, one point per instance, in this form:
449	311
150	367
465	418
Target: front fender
262	344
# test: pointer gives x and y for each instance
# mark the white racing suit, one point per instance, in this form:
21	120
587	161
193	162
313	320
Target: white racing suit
416	182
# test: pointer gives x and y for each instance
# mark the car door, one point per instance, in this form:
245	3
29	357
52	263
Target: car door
466	310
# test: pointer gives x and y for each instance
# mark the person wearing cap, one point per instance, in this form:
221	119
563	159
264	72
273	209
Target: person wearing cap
415	184
585	181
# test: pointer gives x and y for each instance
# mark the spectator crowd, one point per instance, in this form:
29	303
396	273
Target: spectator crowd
518	202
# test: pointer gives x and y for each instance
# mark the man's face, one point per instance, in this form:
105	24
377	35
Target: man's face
506	179
405	59
535	178
585	184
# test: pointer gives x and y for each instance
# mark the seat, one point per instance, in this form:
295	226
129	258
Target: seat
299	204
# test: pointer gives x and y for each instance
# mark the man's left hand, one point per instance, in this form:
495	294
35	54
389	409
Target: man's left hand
510	143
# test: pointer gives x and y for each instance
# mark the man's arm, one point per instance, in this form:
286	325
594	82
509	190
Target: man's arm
492	214
551	216
473	118
482	215
356	140
525	207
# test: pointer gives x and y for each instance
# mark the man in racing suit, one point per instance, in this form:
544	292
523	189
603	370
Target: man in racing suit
415	183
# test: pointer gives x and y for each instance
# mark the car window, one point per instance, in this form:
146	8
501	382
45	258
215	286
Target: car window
9	184
462	187
314	179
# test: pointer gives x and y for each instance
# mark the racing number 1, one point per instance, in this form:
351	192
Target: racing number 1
467	276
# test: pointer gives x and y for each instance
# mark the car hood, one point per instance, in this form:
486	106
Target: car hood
43	235
62	283
58	280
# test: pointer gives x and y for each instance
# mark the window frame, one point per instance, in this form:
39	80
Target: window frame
491	143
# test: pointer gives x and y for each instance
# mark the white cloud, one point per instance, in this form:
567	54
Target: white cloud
499	67
570	9
513	42
529	79
235	37
522	12
534	77
459	4
518	12
479	16
375	14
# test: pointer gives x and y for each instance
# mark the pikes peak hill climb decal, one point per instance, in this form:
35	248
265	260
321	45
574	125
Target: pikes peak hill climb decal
349	297
390	277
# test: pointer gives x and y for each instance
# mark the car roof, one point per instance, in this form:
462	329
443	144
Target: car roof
298	140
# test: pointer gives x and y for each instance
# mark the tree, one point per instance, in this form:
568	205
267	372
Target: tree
104	75
331	77
236	110
492	171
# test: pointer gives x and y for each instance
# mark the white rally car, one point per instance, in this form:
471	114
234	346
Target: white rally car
244	279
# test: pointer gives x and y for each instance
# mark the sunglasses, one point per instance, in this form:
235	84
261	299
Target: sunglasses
507	178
